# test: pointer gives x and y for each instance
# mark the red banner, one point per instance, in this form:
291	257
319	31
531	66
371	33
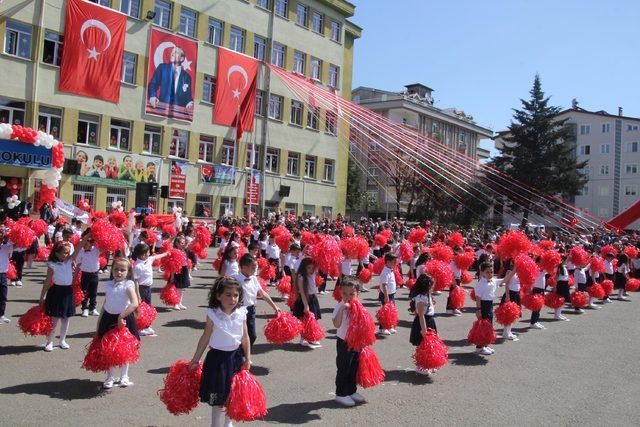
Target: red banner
252	195
171	75
93	49
178	179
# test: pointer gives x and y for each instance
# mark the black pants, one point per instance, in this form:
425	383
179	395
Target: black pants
276	264
145	293
251	323
535	315
4	293
392	298
347	364
18	258
89	285
514	296
486	311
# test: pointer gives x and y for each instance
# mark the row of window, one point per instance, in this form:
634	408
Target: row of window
605	128
603	190
630	147
629	169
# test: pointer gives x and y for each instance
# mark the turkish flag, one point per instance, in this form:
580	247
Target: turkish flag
93	48
235	90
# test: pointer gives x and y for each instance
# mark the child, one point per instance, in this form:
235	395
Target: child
387	286
6	247
511	293
273	255
96	169
18	257
422	305
143	276
346	360
251	290
292	260
111	169
229	264
538	288
89	261
485	294
226	335
120	302
621	276
305	286
345	269
562	288
457	274
181	280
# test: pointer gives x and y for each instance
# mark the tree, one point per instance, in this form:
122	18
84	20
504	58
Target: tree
539	152
354	188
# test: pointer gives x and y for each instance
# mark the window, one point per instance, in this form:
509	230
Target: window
316	68
228	153
105	3
263	4
49	120
310	167
275	107
130	7
120	134
606	127
603	212
215	32
116	195
236	41
374	172
328	170
604	170
632	147
630	190
81	191
296	112
204	204
308	210
227	206
299	60
327	212
585	129
162	9
317	21
188	20
462	136
278	54
207	148
290	209
631	169
331	123
208	88
282	8
129	68
334	73
17	39
179	144
632	128
293	160
605	148
312	118
52	52
11	112
252	155
336	31
259	47
271	160
259	102
171	204
603	190
585	150
88	129
152	139
302	15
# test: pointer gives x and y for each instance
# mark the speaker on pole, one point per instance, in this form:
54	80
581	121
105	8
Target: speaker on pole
71	167
164	191
144	190
284	191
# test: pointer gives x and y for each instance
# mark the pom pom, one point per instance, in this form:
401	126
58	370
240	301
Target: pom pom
508	313
365	275
631	251
146	315
150	221
378	266
527	270
455	239
578	256
361	331
326	254
417	235
170	229
283	328
466	278
546	245
100	215
173	263
406	251
632	285
579	299
21	235
312	331
247	401
221	230
572	281
106	236
465	260
596	291
553	300
78	295
319	280
337	295
369	372
170	295
181	388
550	260
354	247
512	243
102	260
472	295
607	286
307	238
151	239
262	263
118	218
12	273
347	232
268	273
387	316
481	333
283	240
39	227
456	297
398	275
597	264
263	284
608	249
440	272
35	322
116	348
441	252
284	285
248	231
43	253
432	353
410	283
380	240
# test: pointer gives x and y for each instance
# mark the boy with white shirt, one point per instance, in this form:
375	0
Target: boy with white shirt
388	286
6	247
485	291
89	262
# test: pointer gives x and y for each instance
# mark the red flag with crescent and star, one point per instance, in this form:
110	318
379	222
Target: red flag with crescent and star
235	91
93	48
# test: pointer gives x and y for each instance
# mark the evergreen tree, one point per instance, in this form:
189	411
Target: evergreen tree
355	195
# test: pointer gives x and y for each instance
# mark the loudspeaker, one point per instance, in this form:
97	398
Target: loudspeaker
71	167
284	191
164	191
143	191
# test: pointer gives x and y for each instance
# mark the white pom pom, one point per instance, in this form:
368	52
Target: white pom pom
5	130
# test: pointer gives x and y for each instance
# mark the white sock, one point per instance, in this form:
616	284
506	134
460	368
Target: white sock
620	293
64	328
111	373
507	331
217	416
52	334
181	294
558	311
124	371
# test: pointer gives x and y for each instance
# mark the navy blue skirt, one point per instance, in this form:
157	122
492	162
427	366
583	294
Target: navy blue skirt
416	332
619	280
109	321
314	307
181	280
59	301
217	373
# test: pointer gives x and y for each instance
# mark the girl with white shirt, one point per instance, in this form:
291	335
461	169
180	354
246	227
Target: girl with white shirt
306	299
120	302
229	264
538	288
143	276
562	288
226	335
422	305
457	275
181	280
485	290
621	276
511	293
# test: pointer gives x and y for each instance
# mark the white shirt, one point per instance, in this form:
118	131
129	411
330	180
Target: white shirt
116	297
230	268
580	276
250	289
623	269
420	270
485	289
514	282
223	244
426	299
345	267
5	254
264	244
62	272
143	272
456	271
342	330
312	288
89	260
563	275
541	281
293	262
608	267
227	329
387	277
636	263
273	251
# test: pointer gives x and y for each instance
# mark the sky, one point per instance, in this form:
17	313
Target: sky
481	56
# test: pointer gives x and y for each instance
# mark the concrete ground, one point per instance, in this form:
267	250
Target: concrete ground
584	371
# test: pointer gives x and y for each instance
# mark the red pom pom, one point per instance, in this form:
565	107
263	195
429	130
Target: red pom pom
348	232
116	348
365	275
170	229
406	251
248	231
283	328
466	278
472	294
118	218
312	331
527	270
455	239
512	243
169	295
181	388
47	195
417	235
146	315
174	262
440	272
106	236
150	221
553	300
578	256
307	238
550	260
632	285
378	266
319	280
78	295
607	286
262	263
432	353
337	295
410	283
369	372
546	245
579	299
21	235
43	253
12	273
441	252
597	264
268	273
100	215
39	227
102	260
631	251
221	230
380	239
326	254
596	291
387	316
465	260
398	275
247	401
508	313
284	285
354	247
75	239
481	333
456	296
263	284
35	322
283	240
361	329
608	249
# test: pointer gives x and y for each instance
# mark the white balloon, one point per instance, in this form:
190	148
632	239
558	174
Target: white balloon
3	183
5	130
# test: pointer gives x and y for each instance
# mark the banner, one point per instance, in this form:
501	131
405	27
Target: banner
211	174
171	75
72	211
178	179
115	169
16	153
252	196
